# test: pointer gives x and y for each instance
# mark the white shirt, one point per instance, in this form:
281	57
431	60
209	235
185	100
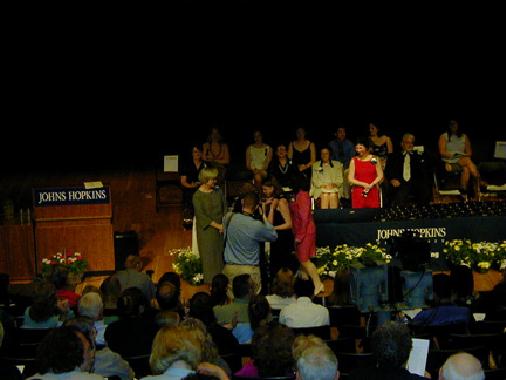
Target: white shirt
304	313
277	303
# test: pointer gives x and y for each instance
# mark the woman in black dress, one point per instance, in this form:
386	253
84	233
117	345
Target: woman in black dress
302	153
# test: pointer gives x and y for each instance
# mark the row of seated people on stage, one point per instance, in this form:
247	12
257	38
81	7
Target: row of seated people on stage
404	175
213	328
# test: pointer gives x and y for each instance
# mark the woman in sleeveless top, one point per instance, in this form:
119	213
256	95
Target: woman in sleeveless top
215	152
455	150
278	214
258	157
302	153
365	174
381	146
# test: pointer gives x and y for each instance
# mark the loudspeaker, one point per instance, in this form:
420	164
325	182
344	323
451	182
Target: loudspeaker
125	244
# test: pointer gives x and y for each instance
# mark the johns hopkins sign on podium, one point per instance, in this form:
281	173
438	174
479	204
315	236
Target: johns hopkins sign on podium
70	196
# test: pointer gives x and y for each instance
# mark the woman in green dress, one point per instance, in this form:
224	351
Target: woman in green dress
210	207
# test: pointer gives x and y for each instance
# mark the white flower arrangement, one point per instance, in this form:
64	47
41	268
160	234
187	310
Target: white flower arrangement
187	265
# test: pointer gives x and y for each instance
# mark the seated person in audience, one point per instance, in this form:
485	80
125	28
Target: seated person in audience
208	348
272	353
407	175
219	290
258	158
132	334
455	151
7	371
317	362
91	306
341	293
189	178
202	308
65	353
59	279
111	290
177	353
167	318
134	276
327	180
259	313
391	344
444	311
105	362
461	366
167	298
46	310
237	311
342	150
304	313
282	169
282	289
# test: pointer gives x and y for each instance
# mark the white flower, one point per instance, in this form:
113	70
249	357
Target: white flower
46	261
77	254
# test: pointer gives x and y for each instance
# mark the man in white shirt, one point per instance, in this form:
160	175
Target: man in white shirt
304	313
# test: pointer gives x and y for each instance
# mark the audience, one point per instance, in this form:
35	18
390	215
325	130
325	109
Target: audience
219	290
91	306
167	298
272	353
327	181
317	362
106	363
391	345
259	312
304	313
65	353
59	278
282	290
202	308
133	276
167	318
461	366
111	290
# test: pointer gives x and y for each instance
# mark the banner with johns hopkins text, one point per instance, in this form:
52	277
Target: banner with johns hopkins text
70	196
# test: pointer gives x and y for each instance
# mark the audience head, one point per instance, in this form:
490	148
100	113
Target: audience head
201	307
303	288
133	262
62	350
219	286
131	303
209	351
167	296
441	288
91	306
167	318
172	344
44	302
461	366
283	283
242	286
462	282
272	350
91	289
259	311
391	345
86	326
303	342
171	277
111	290
300	183
317	362
59	277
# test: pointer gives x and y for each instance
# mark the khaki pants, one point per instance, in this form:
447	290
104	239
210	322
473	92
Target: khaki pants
233	270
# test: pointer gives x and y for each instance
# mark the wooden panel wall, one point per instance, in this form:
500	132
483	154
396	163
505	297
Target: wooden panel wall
17	251
93	238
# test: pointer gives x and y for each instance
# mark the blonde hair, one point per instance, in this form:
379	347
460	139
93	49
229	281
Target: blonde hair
208	174
172	344
303	342
198	329
91	306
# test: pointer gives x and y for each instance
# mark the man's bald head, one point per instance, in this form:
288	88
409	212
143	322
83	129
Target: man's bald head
462	366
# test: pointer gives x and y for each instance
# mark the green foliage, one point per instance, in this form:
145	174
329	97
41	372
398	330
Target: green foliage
188	266
345	256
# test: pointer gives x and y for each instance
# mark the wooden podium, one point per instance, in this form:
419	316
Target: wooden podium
75	219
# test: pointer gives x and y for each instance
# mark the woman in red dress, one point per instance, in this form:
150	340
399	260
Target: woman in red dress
365	175
304	230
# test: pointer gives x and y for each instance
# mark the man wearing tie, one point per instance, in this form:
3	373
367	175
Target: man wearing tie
408	175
